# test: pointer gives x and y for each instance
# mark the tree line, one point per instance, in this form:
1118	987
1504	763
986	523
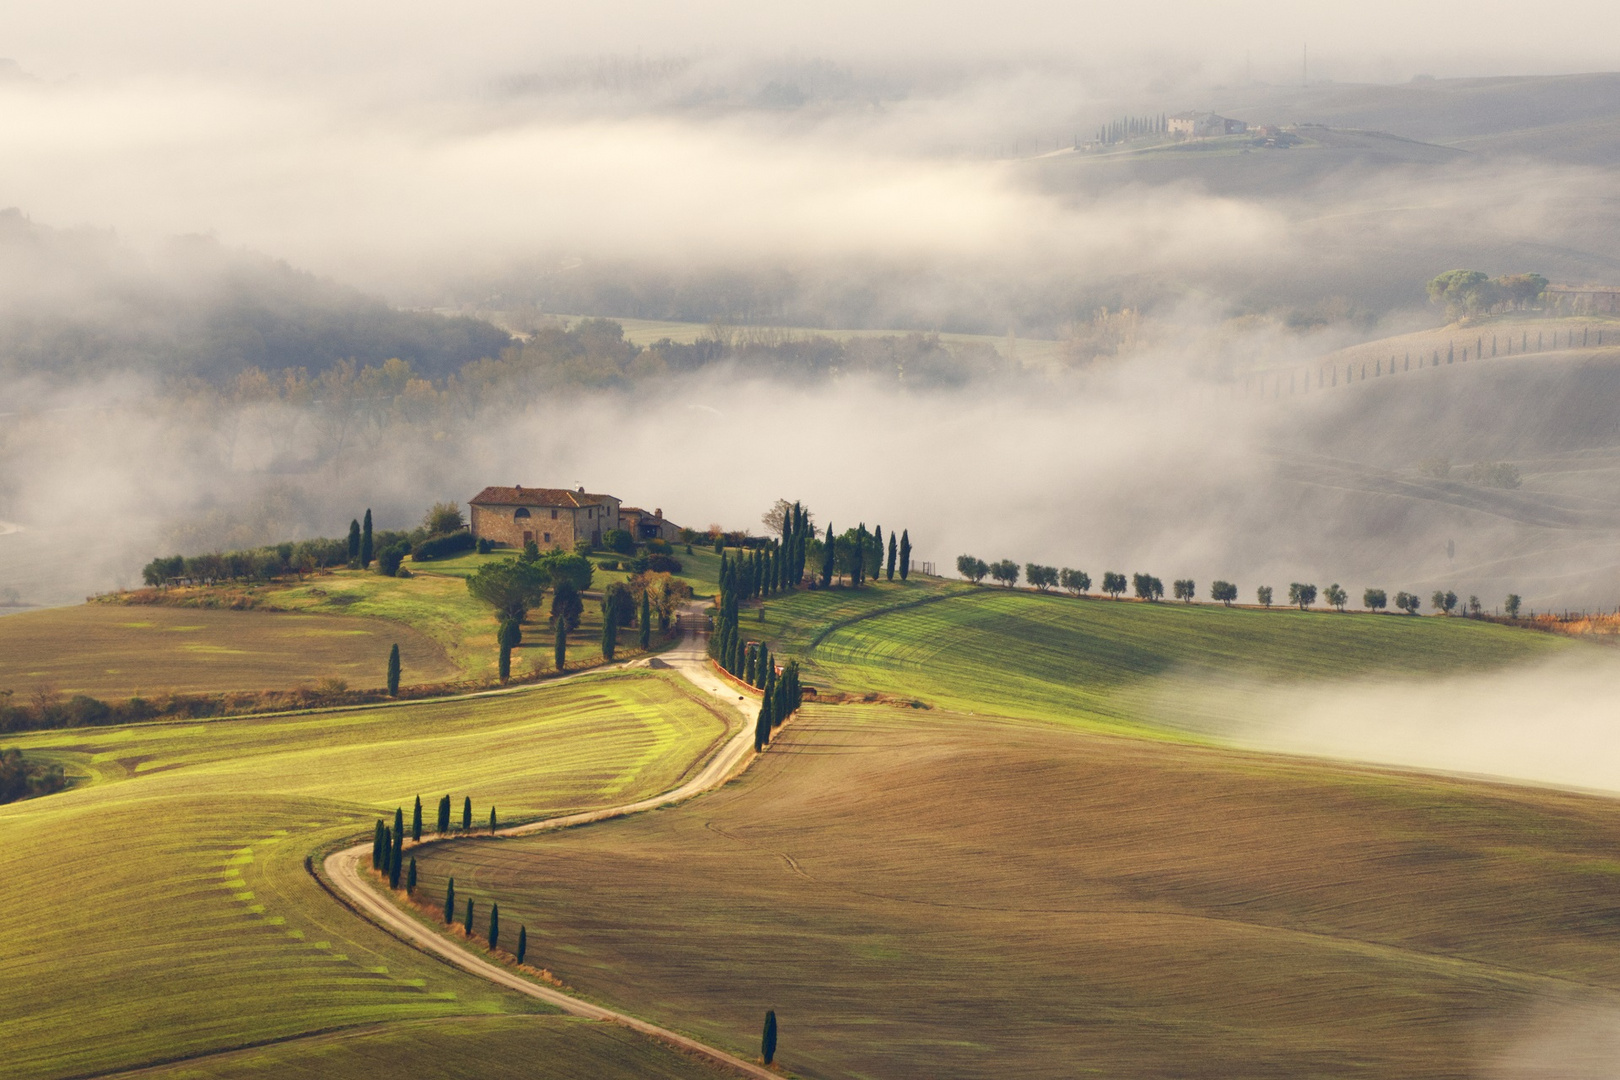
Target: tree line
24	779
1148	588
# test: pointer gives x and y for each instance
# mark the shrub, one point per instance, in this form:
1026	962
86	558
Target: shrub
662	547
619	540
444	518
443	545
389	558
485	545
661	564
609	564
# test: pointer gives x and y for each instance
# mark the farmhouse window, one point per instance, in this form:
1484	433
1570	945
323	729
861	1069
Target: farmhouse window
522	512
554	515
527	536
548	538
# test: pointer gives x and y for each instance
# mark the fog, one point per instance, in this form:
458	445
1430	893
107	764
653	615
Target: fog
892	168
1555	722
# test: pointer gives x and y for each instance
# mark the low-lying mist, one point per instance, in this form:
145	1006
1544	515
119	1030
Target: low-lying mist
1555	722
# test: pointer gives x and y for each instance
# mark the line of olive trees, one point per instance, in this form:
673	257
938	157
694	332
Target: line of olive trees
1149	588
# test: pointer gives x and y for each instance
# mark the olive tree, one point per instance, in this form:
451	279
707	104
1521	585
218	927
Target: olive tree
1077	582
1336	597
1263	595
1113	584
1185	590
1407	602
971	568
1224	591
1511	605
1374	599
1043	578
1006	571
1302	596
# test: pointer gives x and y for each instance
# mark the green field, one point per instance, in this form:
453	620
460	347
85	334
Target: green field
112	651
462	1048
162	907
930	894
1095	661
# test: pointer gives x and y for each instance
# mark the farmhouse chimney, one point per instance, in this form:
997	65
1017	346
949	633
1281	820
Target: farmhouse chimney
582	489
520	487
658	512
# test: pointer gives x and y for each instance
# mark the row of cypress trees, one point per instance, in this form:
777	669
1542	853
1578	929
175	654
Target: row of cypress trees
782	697
493	934
866	556
388	849
360	547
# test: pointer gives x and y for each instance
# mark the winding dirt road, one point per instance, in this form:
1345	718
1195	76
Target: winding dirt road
689	659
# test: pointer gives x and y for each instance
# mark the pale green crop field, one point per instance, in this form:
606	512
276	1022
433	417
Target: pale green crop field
162	908
1096	661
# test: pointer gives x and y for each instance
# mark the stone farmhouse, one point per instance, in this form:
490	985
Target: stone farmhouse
1203	125
558	517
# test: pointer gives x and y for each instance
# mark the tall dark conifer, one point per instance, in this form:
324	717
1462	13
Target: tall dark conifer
410	878
559	647
857	558
893	551
905	553
444	814
354	542
393	671
450	902
416	820
877	553
646	621
494	925
610	636
466	814
377	847
767	1039
523	943
365	541
827	559
466	921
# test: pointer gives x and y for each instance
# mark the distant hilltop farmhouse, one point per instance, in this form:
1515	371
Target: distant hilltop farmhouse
559	518
1203	125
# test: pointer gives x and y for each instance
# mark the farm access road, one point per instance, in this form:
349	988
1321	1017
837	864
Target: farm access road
690	660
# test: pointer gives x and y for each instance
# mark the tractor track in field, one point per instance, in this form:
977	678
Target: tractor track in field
348	883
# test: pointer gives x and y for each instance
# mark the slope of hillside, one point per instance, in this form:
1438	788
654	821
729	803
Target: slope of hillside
1094	661
921	894
165	908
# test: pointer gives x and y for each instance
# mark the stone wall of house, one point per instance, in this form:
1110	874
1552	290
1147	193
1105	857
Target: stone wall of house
501	525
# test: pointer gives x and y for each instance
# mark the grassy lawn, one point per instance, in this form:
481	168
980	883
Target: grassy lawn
465	1048
928	894
162	907
1100	662
113	652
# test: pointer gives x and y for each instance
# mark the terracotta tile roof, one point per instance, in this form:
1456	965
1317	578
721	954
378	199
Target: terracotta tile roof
527	496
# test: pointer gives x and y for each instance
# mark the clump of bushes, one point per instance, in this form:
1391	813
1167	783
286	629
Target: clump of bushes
442	546
24	779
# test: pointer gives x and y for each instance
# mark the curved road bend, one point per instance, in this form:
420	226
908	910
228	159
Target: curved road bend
690	660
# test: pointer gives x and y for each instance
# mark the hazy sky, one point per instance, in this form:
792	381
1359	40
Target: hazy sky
413	39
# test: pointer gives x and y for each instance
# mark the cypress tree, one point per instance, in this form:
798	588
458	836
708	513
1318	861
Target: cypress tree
444	814
365	542
492	820
766	671
393	671
410	880
877	553
857	562
893	551
416	820
523	942
767	1041
610	637
354	542
494	925
450	902
646	621
387	849
905	554
466	922
762	731
396	860
752	658
827	560
377	847
466	814
559	648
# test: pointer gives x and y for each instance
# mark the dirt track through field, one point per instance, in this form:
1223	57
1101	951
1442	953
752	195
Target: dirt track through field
689	659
